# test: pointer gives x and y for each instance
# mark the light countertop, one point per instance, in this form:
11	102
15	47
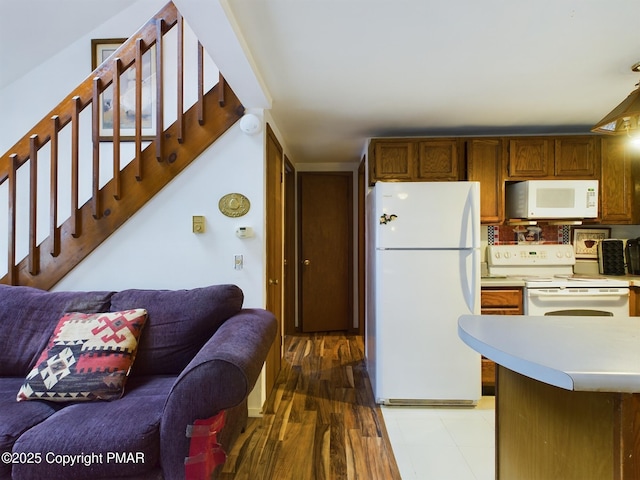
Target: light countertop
574	353
502	282
634	281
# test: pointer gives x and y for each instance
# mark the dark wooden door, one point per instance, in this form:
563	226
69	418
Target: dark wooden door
326	253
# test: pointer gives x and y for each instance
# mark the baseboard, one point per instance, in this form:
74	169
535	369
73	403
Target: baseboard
255	412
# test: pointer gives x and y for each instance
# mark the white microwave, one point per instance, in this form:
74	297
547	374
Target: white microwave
552	199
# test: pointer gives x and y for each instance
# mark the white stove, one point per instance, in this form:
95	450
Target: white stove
551	287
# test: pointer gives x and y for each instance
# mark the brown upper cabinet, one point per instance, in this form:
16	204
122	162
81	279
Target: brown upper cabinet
415	160
392	160
574	157
484	165
577	157
617	189
494	161
530	158
438	160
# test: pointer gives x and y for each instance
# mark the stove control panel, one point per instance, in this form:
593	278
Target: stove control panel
530	255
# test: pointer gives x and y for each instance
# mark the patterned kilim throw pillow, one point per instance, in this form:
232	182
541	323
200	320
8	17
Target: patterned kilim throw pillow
88	357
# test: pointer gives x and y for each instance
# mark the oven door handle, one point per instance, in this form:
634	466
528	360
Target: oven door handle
568	293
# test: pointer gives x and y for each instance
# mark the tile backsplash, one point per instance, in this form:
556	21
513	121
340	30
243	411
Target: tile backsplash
528	234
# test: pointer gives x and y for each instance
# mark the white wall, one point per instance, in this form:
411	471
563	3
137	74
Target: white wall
156	248
26	101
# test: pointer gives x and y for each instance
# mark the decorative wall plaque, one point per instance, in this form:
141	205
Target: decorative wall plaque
234	205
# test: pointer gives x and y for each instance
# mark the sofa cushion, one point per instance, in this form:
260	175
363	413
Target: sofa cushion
179	323
28	317
108	437
88	357
16	418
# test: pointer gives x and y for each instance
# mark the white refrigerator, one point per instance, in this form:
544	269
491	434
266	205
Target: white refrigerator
424	272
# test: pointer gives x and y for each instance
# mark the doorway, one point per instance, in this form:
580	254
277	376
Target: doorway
325	209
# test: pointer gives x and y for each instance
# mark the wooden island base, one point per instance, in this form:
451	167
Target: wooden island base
547	433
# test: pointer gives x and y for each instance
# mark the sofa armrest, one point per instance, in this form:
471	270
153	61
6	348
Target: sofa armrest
219	377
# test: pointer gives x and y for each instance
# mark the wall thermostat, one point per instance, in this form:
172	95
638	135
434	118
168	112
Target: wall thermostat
244	232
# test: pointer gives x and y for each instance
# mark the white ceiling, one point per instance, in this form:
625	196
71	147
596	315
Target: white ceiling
32	31
340	71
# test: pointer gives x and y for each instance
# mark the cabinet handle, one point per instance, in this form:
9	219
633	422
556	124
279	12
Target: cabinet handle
273	282
306	263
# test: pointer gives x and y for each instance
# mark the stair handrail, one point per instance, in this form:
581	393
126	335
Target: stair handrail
84	94
88	94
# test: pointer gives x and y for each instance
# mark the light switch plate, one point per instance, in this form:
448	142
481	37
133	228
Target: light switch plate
198	224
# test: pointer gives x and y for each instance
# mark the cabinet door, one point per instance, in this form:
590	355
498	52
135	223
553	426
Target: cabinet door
393	160
634	302
502	298
616	183
484	165
576	157
438	160
530	158
498	301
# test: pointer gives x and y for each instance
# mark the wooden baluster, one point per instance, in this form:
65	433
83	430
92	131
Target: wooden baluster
95	131
11	271
138	118
200	84
34	257
54	230
180	119
117	71
75	161
221	83
159	91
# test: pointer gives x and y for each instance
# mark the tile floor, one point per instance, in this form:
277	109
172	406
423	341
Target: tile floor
443	443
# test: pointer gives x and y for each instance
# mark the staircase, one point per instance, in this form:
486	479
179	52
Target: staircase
41	247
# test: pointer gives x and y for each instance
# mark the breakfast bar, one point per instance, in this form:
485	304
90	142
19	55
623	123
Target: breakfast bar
567	394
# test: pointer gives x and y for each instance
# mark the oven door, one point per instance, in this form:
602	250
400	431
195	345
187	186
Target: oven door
577	301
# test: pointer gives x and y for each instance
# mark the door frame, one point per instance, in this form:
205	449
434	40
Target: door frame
290	254
361	248
274	250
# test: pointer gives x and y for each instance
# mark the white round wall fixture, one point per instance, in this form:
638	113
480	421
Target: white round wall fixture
250	124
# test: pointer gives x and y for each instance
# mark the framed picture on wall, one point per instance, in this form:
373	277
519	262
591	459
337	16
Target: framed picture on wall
101	49
585	241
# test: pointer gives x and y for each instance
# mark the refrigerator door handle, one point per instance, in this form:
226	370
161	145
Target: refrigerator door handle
475	282
471	229
474	197
471	217
470	221
469	280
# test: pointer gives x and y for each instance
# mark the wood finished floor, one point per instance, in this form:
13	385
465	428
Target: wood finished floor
320	421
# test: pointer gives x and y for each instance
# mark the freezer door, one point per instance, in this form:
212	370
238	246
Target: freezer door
427	214
419	357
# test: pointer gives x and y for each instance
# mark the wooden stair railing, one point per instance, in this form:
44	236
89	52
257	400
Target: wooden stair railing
152	167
